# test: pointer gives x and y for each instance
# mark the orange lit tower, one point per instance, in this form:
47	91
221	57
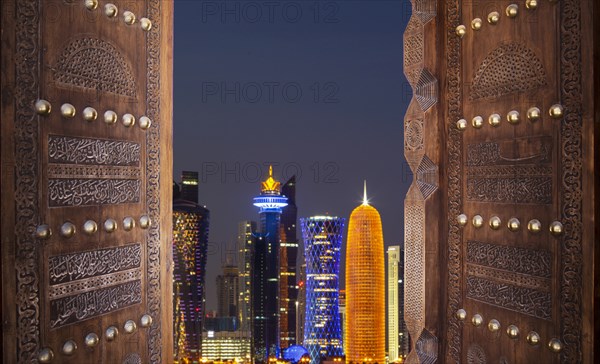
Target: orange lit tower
365	287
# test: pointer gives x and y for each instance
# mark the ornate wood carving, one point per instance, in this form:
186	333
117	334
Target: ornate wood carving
66	149
86	192
95	64
511	67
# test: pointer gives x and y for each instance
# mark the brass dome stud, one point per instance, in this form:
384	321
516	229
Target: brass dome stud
555	345
494	120
514	224
533	338
461	314
43	107
477	221
111	333
129	327
513	117
45	355
477	320
67	229
128	17
476	24
512	331
477	122
145	122
493	325
534	226
111	10
128	120
90	114
91	340
461	124
110	117
512	10
145	222
533	114
556	111
110	225
493	17
461	30
69	347
67	111
462	219
495	222
146	320
531	4
91	4
128	223
90	227
145	24
43	232
556	228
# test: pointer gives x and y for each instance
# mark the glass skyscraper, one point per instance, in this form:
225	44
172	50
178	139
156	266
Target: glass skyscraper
190	242
288	253
322	237
246	230
266	270
364	328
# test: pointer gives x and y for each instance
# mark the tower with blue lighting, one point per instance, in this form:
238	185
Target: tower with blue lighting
265	275
322	252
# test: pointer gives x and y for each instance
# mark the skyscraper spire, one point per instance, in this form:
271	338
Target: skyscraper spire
365	201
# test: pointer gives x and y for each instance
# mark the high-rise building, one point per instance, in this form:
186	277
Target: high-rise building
301	306
190	241
403	335
393	304
265	271
227	292
245	238
365	287
288	253
342	308
189	186
322	237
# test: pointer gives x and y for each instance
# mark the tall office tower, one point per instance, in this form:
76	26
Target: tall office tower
342	308
301	306
288	253
393	304
246	229
403	335
365	286
227	292
265	275
190	241
189	186
322	237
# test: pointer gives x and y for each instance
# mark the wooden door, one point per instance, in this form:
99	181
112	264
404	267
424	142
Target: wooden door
86	181
499	232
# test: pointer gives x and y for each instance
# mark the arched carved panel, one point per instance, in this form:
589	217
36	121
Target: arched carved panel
427	347
426	90
512	67
427	177
97	65
476	355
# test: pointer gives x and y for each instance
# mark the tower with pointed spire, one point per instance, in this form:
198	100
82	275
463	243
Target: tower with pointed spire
364	327
265	274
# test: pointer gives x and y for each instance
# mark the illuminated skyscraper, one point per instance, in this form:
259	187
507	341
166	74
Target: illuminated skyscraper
265	271
393	306
301	306
190	241
246	230
365	287
189	186
322	237
288	253
227	292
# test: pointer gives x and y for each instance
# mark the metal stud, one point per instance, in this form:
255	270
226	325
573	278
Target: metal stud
46	355
533	114
513	117
111	10
128	120
111	333
477	320
69	347
128	223
476	23
146	24
493	325
555	345
128	17
534	226
477	122
67	230
514	224
110	225
67	110
129	327
556	228
43	107
531	4
461	30
477	221
495	222
494	120
144	222
90	114
461	314
512	331
461	124
146	320
462	219
512	10
110	117
533	338
43	232
145	122
493	17
91	4
556	111
90	227
91	340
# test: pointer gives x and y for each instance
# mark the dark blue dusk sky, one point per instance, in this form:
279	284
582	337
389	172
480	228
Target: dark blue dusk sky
314	87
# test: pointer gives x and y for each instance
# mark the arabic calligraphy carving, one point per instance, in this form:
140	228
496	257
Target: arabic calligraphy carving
80	192
64	149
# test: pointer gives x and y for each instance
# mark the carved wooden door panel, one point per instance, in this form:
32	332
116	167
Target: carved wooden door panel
500	139
86	169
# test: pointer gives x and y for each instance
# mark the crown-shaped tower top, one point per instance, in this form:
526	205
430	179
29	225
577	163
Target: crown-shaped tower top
271	185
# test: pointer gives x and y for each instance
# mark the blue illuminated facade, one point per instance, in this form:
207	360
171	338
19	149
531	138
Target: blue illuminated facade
322	245
265	272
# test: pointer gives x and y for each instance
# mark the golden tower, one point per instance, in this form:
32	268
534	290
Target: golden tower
364	326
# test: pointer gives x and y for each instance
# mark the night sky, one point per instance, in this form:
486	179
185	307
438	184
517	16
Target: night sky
314	87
